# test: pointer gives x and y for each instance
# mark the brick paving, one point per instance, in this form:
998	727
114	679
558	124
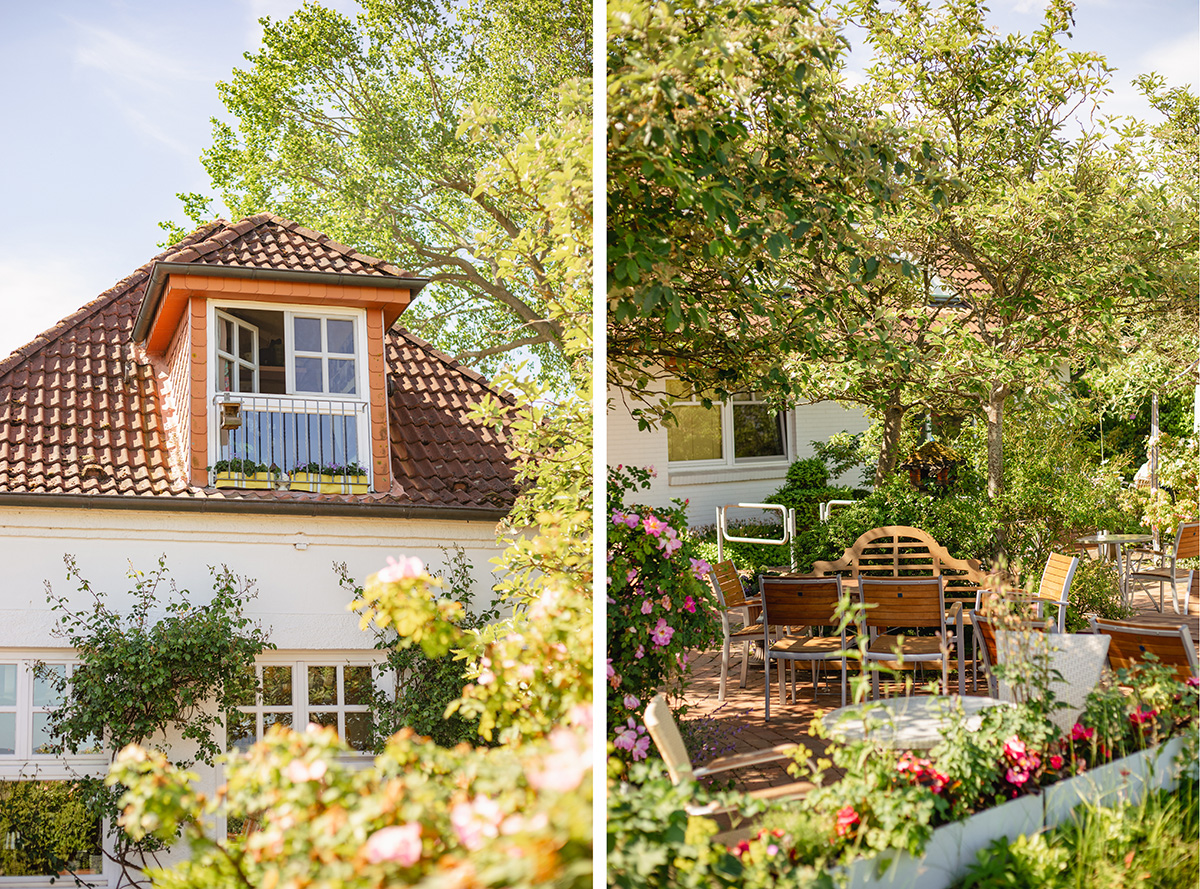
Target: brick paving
741	714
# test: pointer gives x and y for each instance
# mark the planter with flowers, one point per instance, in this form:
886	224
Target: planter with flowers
897	819
247	474
329	479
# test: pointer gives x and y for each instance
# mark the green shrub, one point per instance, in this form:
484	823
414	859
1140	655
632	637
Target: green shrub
45	828
1094	590
746	556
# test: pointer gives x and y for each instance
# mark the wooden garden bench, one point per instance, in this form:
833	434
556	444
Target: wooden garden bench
898	551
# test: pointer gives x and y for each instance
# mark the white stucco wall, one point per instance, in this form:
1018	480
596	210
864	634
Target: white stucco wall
706	489
290	558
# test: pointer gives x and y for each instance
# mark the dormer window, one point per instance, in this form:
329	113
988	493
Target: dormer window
289	386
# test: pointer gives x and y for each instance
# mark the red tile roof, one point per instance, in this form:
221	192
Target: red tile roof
79	415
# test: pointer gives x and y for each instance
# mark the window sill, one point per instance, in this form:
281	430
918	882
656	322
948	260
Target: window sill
717	474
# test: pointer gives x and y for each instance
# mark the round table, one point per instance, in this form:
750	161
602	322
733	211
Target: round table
1120	541
915	723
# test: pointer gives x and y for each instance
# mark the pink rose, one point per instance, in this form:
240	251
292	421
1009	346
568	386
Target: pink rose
661	634
399	844
408	568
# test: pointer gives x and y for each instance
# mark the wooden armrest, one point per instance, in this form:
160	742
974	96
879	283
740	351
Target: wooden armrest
743	760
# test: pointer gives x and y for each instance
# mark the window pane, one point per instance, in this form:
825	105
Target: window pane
42	738
308	334
270	719
8	685
8	734
341	376
308	375
757	431
358	731
45	830
246	345
245	379
322	685
225	335
277	686
224	375
44	694
328	719
340	335
358	685
240	732
698	435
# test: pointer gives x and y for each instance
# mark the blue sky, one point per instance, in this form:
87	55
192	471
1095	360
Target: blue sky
108	103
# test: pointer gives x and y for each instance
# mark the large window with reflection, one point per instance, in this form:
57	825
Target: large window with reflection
742	431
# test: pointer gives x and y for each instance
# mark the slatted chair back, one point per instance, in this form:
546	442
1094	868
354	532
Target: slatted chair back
727	584
904	602
1055	586
1131	642
1187	541
900	551
660	723
800	601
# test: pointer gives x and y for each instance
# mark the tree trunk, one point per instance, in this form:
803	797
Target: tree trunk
890	444
995	439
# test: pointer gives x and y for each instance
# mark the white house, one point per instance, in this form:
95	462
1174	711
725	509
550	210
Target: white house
735	452
262	342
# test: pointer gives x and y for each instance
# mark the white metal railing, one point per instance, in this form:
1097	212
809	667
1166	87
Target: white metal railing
789	528
825	510
289	433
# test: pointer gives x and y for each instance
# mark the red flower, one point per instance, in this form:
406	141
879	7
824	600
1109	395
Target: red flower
1140	716
846	819
1079	733
1056	761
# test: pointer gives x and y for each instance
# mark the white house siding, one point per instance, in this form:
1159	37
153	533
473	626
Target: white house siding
290	558
706	489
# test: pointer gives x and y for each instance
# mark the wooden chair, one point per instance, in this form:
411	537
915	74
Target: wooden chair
660	723
808	602
1187	546
1055	587
985	638
914	603
1131	642
734	607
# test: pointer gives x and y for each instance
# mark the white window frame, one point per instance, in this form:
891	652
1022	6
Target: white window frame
727	460
299	708
238	362
24	763
289	311
289	341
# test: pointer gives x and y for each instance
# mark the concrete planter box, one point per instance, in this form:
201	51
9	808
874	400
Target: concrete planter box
953	848
1125	779
316	483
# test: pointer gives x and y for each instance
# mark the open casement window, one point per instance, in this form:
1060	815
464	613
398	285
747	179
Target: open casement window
325	692
289	391
741	431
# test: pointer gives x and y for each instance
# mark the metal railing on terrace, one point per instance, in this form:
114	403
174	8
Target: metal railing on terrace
288	434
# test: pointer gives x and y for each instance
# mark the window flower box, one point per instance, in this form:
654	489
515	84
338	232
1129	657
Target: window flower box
245	474
316	479
316	483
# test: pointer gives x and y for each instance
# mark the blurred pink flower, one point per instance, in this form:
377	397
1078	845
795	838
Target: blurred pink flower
408	568
399	844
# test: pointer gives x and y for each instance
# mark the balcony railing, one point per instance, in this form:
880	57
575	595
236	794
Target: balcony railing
288	434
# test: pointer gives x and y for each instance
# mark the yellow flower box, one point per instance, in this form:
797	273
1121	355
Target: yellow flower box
254	481
317	483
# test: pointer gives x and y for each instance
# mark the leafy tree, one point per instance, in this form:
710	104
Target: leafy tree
732	161
355	129
139	678
1046	229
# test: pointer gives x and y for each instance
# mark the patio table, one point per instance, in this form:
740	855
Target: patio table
914	723
1120	541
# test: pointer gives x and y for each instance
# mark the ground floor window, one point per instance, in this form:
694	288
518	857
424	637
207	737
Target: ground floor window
296	693
743	430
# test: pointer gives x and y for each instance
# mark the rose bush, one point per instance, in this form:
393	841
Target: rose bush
660	607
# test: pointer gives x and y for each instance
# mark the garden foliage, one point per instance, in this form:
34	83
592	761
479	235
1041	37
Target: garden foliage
660	606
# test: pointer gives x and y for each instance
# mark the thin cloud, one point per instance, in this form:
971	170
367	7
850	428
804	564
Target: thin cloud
129	62
1176	60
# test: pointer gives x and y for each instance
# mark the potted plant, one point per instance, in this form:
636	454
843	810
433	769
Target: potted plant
243	473
332	478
